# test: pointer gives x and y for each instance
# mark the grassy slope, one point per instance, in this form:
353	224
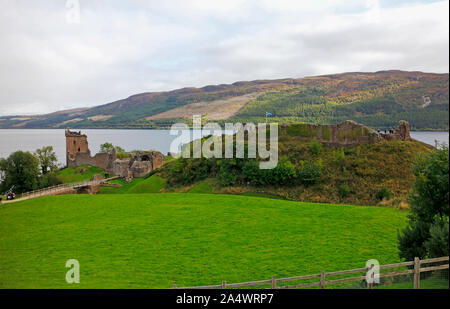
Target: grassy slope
74	174
152	184
201	187
429	283
153	240
366	169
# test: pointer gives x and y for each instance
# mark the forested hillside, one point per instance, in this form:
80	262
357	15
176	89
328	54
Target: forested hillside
378	100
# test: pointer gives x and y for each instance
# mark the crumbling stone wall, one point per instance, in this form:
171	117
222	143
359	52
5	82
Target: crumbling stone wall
401	133
138	165
75	143
346	133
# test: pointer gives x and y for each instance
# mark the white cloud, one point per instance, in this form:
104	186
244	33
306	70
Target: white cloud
123	48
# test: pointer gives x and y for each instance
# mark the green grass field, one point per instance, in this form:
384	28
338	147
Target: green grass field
79	173
201	187
155	240
428	283
152	184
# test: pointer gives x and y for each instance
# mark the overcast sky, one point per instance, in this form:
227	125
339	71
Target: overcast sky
51	58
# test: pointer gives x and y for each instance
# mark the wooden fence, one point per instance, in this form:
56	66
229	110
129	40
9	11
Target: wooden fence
322	276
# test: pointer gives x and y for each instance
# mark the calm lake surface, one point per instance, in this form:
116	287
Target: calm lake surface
32	139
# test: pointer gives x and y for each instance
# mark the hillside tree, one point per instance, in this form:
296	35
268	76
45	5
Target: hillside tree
47	159
21	170
427	233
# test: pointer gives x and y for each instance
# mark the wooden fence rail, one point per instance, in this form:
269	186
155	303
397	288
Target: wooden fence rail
323	275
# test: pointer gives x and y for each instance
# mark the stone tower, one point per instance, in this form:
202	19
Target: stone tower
75	143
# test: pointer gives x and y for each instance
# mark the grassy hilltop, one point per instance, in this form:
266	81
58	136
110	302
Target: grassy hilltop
366	174
378	99
154	240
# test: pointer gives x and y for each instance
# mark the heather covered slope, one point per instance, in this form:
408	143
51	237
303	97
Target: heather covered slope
366	174
378	99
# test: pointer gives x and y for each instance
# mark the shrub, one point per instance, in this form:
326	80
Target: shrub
187	171
310	173
283	173
252	174
316	147
344	190
339	158
49	180
227	175
384	193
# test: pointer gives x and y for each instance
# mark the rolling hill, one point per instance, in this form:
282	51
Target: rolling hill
377	99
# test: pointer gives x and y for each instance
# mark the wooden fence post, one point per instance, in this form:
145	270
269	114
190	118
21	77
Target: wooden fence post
274	282
322	279
416	273
224	284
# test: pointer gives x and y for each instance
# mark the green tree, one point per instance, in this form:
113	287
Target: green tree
109	147
47	159
21	170
427	232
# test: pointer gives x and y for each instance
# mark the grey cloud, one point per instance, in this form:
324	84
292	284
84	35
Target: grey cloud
123	48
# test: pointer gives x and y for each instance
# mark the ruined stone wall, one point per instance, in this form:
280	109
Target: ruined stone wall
102	160
138	165
75	143
401	133
347	133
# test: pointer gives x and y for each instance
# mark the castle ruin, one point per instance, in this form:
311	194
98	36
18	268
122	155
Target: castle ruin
136	165
347	133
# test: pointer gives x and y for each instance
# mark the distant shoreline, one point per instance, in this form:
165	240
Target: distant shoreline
168	128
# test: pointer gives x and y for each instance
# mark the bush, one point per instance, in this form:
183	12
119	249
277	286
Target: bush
384	193
339	158
251	173
310	173
49	180
227	173
437	243
283	173
187	171
316	147
344	190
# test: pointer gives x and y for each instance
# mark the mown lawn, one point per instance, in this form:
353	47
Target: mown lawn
79	173
428	283
155	240
152	184
201	187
